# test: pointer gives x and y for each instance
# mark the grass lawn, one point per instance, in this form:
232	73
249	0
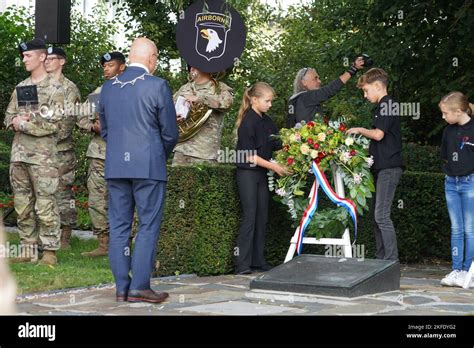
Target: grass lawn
72	270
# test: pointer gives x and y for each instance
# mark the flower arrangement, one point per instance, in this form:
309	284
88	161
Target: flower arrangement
326	143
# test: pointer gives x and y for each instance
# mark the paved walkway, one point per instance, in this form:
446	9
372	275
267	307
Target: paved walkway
420	294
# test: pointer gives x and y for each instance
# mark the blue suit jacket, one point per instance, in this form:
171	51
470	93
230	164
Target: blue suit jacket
138	122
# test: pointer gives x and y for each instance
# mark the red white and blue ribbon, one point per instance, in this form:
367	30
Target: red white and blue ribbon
322	181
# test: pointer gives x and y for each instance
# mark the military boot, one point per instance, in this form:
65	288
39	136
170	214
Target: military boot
66	237
49	258
102	249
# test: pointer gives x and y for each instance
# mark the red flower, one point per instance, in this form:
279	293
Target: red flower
326	119
342	127
353	153
310	124
1	205
291	160
74	189
310	141
316	146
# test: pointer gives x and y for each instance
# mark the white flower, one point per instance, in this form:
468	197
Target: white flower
345	157
349	141
281	192
304	149
321	137
370	160
314	153
298	125
357	179
292	138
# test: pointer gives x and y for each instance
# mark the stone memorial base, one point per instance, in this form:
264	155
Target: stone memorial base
331	276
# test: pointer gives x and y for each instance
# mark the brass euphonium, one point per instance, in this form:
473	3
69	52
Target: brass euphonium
198	115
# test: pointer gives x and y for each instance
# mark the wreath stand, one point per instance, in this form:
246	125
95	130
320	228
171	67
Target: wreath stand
345	241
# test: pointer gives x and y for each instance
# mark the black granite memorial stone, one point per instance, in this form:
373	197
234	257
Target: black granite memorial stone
331	276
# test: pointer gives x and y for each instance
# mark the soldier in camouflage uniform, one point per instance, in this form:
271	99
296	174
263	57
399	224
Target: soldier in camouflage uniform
33	167
66	155
204	146
113	64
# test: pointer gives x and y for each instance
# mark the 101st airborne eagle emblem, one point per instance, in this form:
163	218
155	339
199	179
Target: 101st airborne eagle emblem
211	34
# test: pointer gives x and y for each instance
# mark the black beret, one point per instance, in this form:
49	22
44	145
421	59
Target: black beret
57	51
35	44
112	56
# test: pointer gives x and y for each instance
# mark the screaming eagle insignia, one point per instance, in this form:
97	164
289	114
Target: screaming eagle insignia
211	34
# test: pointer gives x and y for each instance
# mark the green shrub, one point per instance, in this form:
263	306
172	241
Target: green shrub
422	158
200	237
6	138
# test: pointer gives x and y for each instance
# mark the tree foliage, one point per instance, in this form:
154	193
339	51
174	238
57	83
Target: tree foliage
424	45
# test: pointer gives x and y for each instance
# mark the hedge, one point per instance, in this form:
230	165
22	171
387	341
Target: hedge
202	219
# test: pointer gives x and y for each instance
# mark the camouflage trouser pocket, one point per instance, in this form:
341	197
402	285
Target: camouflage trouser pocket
20	179
45	180
98	196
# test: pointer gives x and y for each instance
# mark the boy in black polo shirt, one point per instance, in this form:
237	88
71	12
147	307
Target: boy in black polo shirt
386	149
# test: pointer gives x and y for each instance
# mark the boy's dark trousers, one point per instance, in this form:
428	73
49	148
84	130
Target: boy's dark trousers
386	181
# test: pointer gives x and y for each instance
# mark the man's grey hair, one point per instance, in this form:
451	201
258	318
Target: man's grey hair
297	85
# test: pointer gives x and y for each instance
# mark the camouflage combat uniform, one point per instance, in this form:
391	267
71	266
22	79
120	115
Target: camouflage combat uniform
204	146
96	184
34	167
66	154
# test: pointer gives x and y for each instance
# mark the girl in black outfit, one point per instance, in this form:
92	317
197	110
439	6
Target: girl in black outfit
457	150
256	145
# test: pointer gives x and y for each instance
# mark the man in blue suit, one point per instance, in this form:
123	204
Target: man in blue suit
138	123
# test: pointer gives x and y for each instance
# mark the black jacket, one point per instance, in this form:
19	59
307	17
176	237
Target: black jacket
305	105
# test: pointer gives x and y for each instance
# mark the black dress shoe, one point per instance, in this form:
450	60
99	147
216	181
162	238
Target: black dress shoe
264	268
245	271
146	296
121	297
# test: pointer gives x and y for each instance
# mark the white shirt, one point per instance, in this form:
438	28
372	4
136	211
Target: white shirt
140	66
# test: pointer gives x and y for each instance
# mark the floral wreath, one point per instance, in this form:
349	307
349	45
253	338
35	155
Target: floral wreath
326	143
